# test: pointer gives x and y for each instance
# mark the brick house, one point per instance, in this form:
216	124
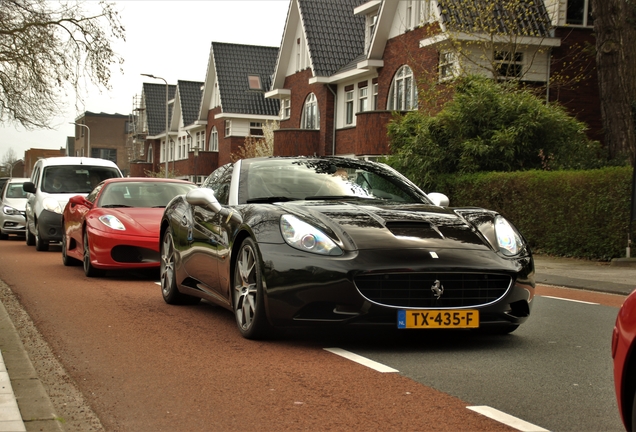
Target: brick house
108	136
345	66
233	105
208	120
150	126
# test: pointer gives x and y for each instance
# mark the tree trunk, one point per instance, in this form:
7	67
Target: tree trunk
615	29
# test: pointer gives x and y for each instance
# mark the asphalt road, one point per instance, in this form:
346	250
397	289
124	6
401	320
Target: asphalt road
555	371
140	364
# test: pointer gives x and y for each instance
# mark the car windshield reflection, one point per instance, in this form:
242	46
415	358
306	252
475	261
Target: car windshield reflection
273	180
141	194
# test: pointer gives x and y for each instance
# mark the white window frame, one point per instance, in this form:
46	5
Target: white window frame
371	22
228	128
448	65
163	156
403	91
285	108
507	58
214	139
311	113
349	108
586	14
374	91
363	99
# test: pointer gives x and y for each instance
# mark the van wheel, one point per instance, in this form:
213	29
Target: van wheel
30	238
40	245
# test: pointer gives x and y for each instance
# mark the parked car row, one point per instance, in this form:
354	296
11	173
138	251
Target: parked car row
285	242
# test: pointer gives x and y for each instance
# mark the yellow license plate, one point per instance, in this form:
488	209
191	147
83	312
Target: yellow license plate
419	319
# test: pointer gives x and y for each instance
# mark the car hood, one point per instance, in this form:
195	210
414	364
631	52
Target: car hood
391	227
137	220
16	203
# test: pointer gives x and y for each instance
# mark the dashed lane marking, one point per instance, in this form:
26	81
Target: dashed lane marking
361	360
566	299
506	419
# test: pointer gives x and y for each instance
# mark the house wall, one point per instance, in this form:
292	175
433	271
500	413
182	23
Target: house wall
405	49
106	131
300	89
581	99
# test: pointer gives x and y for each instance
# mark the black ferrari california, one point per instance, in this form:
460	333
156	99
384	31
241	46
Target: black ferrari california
287	242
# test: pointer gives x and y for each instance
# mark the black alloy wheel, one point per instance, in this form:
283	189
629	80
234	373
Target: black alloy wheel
167	275
89	269
247	296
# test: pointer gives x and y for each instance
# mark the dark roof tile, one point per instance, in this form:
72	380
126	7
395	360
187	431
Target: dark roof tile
234	63
155	100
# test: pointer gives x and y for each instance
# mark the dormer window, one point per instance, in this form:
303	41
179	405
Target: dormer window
372	20
254	82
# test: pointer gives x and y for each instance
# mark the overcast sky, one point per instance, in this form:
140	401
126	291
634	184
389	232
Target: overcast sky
179	53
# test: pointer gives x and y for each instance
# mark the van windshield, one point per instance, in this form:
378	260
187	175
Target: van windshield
75	179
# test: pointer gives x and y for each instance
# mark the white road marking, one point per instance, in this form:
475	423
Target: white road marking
576	301
506	419
361	360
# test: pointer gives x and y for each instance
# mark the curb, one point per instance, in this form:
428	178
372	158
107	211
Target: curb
35	407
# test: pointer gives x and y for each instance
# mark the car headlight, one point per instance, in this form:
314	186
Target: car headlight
10	211
508	240
112	222
51	205
303	236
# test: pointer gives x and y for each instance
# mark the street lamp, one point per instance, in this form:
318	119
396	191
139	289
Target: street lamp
167	140
88	136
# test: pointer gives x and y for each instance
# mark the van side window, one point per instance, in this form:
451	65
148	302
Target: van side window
36	176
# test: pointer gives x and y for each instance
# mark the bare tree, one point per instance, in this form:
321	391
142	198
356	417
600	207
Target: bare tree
8	160
615	28
45	46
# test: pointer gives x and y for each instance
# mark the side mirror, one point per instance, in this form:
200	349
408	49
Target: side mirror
439	199
80	200
28	187
204	197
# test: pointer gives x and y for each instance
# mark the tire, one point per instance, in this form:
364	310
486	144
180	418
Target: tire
168	276
247	293
3	236
89	270
67	260
30	238
40	245
632	421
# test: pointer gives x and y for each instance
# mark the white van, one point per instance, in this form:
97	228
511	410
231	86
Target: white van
53	182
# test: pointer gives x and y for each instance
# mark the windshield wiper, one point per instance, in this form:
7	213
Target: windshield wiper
115	206
270	199
337	197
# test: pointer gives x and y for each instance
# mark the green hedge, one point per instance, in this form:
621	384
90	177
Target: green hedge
581	214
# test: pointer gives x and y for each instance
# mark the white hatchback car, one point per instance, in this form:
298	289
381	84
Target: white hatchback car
13	202
53	182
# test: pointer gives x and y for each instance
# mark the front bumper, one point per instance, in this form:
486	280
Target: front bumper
120	251
12	224
302	289
50	227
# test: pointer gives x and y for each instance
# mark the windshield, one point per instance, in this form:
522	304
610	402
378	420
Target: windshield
75	178
141	194
273	179
14	190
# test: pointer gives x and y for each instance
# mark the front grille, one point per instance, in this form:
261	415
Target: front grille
414	290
